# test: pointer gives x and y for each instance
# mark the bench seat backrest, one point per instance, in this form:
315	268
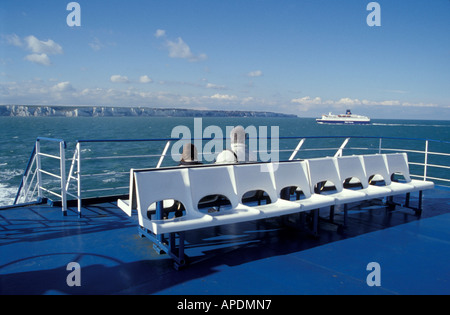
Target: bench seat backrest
352	167
157	185
251	177
291	174
398	163
208	181
324	169
375	164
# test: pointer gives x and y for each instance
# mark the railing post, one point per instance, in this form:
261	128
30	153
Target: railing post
426	161
339	152
161	159
160	216
299	145
379	145
62	165
79	177
38	168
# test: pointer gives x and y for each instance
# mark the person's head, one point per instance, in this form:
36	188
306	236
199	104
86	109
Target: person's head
190	154
226	157
238	146
237	135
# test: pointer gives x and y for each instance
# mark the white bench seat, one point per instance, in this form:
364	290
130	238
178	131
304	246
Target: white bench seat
173	225
316	201
397	163
376	165
295	174
151	191
253	177
219	180
326	170
352	167
156	186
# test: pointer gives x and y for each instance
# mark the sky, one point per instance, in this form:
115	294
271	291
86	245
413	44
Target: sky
303	57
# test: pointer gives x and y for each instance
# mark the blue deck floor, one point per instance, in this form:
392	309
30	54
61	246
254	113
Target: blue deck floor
258	258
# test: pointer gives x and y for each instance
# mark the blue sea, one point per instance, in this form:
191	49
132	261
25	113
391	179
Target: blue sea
18	136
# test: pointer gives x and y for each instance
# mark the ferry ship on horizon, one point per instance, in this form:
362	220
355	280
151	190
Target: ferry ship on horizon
347	118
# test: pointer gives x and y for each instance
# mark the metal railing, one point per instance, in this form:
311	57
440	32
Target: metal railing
101	168
32	186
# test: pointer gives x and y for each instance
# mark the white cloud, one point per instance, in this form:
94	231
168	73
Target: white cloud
62	87
308	102
215	86
421	104
42	47
160	33
117	78
348	101
384	103
179	48
14	40
389	103
145	79
39	59
63	93
40	50
257	73
96	45
398	91
224	97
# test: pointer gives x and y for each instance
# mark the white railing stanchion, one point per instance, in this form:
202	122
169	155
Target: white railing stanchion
79	177
426	161
339	152
163	154
299	145
38	168
62	165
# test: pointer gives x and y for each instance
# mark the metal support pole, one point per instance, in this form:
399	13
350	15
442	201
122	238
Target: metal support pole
62	165
419	211
339	152
79	177
38	168
163	154
159	216
299	145
426	161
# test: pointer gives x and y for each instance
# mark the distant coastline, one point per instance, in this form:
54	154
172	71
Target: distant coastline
108	111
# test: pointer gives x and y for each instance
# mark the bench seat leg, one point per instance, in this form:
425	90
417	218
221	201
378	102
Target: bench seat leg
163	246
418	210
340	227
307	221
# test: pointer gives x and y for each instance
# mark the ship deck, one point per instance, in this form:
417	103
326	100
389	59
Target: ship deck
256	258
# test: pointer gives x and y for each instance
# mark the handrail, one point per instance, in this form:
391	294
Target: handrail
296	150
27	168
35	159
52	140
281	137
75	173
